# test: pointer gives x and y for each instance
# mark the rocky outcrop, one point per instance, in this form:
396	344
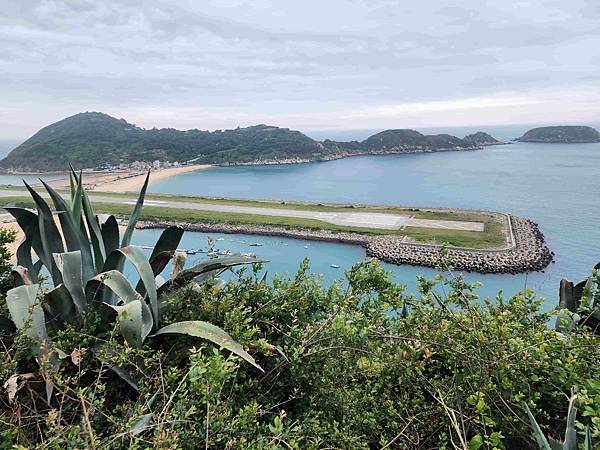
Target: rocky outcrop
562	134
481	138
527	251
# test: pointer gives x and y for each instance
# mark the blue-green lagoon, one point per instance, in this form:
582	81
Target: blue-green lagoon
556	185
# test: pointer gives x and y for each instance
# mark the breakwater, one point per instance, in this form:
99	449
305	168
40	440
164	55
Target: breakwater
525	252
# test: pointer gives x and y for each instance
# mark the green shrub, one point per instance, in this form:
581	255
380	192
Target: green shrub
359	364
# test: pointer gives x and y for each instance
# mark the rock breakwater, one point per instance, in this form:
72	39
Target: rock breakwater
527	251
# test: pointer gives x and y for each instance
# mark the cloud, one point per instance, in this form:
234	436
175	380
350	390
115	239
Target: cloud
289	59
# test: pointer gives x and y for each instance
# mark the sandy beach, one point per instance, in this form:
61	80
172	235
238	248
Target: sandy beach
126	181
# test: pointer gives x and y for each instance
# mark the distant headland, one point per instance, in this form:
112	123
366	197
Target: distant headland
93	139
561	134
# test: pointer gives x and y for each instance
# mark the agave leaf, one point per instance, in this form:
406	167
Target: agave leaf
72	185
167	242
77	203
588	439
29	223
71	229
21	276
26	311
110	234
118	284
567	299
141	425
51	238
62	305
35	270
70	265
7	325
131	322
570	442
23	254
537	431
209	332
135	215
95	232
136	256
207	267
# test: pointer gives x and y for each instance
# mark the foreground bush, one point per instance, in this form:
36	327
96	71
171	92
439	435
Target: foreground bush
356	365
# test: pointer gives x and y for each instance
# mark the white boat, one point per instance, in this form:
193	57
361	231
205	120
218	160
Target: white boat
248	255
220	239
306	246
335	266
256	244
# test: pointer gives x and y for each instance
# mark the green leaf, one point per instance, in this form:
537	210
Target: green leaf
131	322
21	276
537	431
72	233
209	332
70	265
588	444
29	223
570	442
118	284
211	266
62	306
135	215
26	312
95	232
110	234
476	442
51	238
136	256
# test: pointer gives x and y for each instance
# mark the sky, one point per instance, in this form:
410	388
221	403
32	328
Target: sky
308	65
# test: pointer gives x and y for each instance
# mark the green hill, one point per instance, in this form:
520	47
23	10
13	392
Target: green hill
90	139
561	134
481	138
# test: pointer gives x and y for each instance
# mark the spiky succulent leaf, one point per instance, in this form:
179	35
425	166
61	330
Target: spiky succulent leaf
110	233
538	434
70	265
71	228
94	231
209	332
136	256
211	266
21	276
51	237
28	222
62	306
26	311
132	322
135	215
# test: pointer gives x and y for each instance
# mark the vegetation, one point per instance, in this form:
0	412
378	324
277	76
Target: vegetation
91	139
561	134
360	364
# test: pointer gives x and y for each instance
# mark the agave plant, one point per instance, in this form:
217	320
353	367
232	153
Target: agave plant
570	441
85	265
582	300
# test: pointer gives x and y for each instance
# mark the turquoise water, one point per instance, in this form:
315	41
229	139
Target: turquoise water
556	185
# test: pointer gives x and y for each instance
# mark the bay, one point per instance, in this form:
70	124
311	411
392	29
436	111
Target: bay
556	185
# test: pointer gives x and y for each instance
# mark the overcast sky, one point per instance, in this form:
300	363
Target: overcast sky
301	64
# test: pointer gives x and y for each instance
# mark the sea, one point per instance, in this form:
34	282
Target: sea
555	185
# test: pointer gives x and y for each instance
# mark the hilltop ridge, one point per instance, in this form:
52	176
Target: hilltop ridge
90	139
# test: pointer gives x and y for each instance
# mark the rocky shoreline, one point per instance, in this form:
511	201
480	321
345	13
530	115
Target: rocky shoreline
527	251
348	154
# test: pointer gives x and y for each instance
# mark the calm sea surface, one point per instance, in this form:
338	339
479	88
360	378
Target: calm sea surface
557	186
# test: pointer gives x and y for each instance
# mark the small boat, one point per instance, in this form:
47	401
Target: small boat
220	239
256	244
212	254
306	246
247	255
335	266
191	251
224	252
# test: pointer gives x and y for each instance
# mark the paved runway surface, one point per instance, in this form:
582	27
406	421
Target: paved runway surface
349	219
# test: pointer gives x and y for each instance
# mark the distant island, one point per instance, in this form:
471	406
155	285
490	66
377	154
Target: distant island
481	138
561	134
97	140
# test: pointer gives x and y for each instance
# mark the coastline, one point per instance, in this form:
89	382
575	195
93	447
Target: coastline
526	253
121	182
